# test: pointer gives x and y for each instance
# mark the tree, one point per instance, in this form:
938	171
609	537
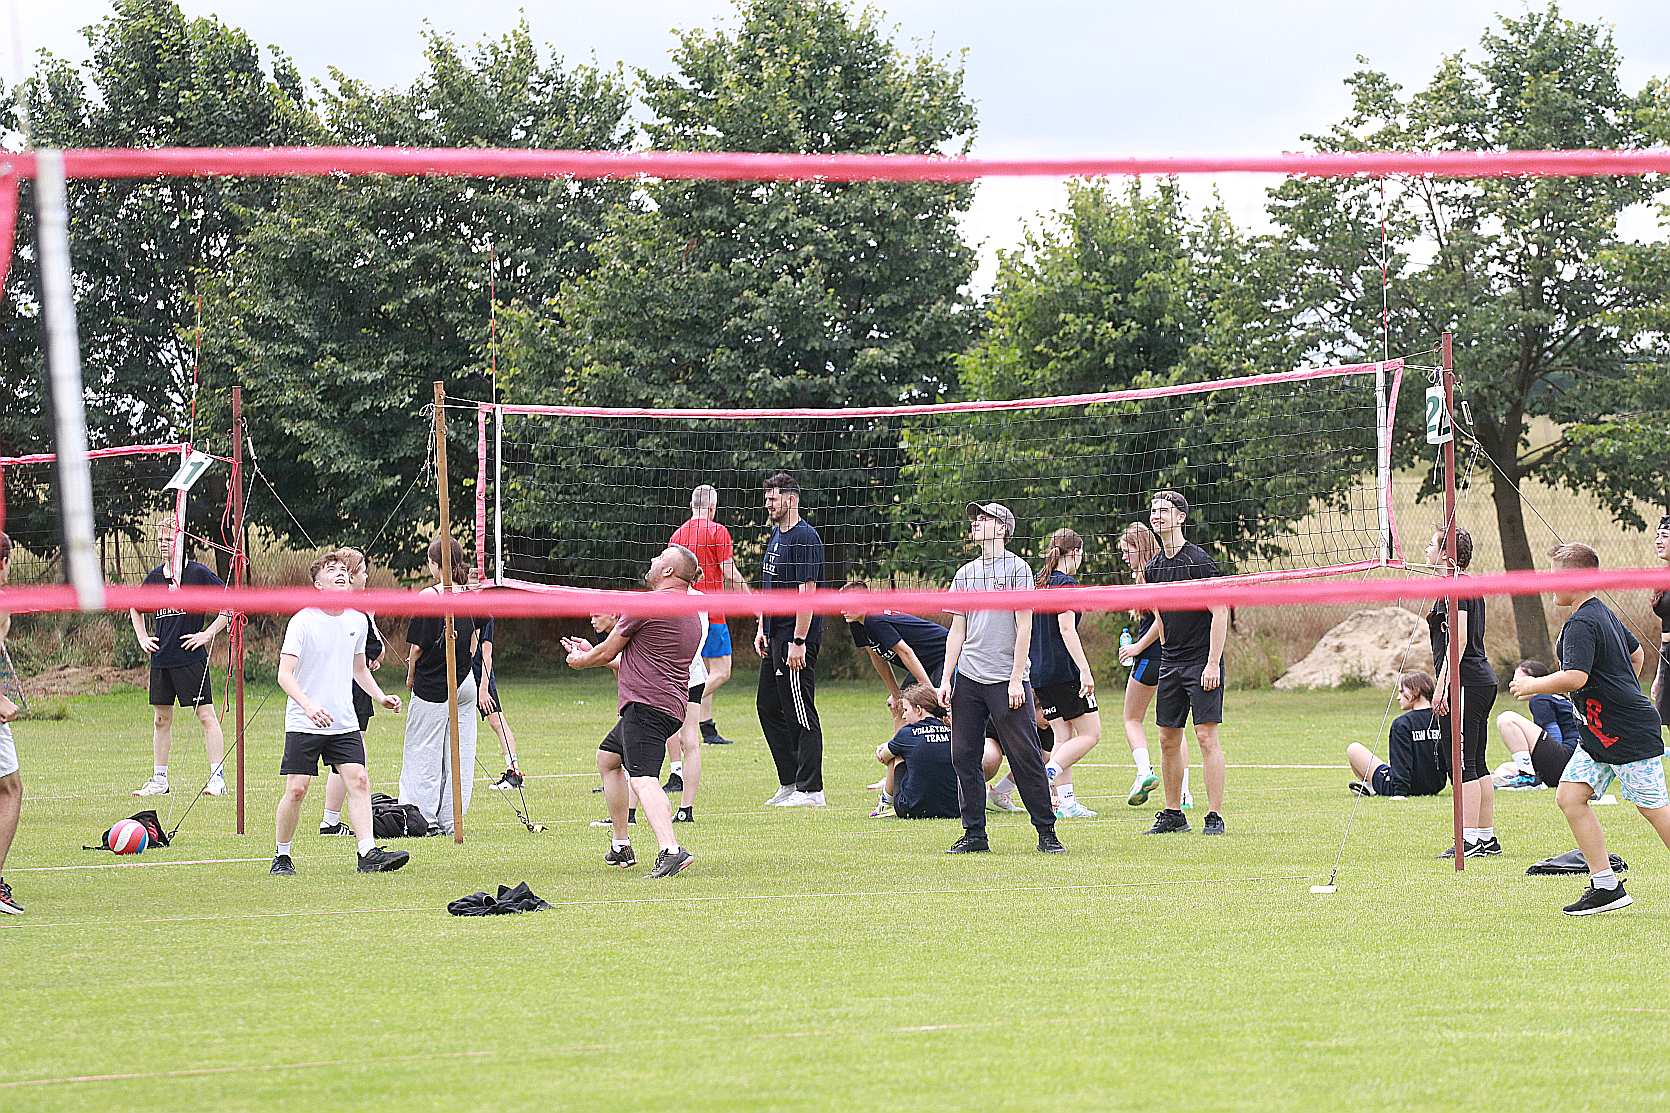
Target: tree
767	294
351	295
1554	313
140	250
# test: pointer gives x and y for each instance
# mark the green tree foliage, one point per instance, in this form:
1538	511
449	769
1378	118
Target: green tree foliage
1555	314
1125	289
352	295
140	249
767	294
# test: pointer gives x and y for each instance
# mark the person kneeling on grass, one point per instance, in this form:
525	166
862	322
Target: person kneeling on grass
1541	745
322	658
920	783
1619	737
1417	763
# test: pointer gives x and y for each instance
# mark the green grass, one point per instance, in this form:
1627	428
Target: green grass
820	960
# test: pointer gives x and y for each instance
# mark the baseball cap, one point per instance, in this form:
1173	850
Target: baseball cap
1664	522
996	511
1175	498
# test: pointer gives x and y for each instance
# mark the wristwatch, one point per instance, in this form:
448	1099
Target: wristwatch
798	641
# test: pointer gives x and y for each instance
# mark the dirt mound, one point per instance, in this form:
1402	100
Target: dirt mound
1370	647
81	680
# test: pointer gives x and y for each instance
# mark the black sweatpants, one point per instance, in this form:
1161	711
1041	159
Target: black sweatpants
976	709
1476	701
787	703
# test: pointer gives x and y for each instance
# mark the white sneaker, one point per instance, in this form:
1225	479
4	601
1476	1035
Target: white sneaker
155	786
802	800
783	793
1074	810
215	787
1000	802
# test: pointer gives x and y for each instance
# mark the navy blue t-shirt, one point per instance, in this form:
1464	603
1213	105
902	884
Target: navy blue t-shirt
1620	724
173	625
1051	663
1557	718
883	633
792	558
1415	751
927	789
485	629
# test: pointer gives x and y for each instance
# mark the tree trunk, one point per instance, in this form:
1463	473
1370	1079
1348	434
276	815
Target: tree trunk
1529	617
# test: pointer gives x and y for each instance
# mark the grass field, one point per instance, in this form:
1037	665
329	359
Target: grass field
819	960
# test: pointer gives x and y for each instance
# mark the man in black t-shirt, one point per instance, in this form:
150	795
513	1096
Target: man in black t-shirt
788	649
1618	732
179	655
1191	668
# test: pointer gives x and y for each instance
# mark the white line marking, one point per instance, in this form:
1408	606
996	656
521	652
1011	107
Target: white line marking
238	1068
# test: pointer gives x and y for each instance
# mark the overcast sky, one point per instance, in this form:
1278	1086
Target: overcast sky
1049	77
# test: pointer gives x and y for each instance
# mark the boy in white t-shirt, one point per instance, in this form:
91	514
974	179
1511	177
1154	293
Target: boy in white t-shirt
322	658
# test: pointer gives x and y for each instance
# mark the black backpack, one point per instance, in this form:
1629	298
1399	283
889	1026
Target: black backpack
390	819
147	819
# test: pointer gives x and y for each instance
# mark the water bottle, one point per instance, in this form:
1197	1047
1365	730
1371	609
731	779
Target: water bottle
1125	639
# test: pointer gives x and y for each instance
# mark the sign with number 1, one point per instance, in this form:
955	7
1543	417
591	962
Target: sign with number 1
1438	427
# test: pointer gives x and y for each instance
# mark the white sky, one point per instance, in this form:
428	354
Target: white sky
1049	77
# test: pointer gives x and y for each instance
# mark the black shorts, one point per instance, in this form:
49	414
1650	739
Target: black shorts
303	752
1549	759
1062	701
1145	671
189	684
640	739
1181	697
492	690
697	691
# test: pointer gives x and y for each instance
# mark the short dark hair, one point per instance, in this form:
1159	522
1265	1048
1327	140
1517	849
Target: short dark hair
1575	554
782	481
1531	667
324	561
455	551
1463	547
1419	683
1176	499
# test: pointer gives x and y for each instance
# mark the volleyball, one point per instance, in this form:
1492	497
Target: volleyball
127	837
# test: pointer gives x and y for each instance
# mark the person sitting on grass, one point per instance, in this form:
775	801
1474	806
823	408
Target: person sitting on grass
920	783
1417	763
1540	745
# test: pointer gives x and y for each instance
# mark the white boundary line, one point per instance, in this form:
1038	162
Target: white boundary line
236	1068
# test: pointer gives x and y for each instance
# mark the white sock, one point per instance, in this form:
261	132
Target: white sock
1486	832
1140	756
1470	834
1066	794
366	844
886	797
1523	761
160	772
620	844
1052	771
284	848
331	819
1185	778
674	849
1005	783
1605	879
678	768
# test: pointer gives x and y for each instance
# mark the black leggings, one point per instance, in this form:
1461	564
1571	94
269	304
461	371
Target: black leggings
1476	702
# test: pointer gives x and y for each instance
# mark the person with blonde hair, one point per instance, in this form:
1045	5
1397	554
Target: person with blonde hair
1061	676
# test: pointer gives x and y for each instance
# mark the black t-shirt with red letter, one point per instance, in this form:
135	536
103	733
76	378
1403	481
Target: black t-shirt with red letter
1619	723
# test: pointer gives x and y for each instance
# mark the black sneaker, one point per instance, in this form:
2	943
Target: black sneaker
1599	900
512	778
379	860
596	789
8	903
675	783
621	858
685	815
283	866
1049	844
1214	824
712	737
1468	850
971	843
338	828
1487	848
670	863
1167	822
1359	788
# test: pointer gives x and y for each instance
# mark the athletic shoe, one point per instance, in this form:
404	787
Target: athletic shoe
380	860
337	828
1188	799
1469	850
1141	789
1167	822
1489	848
283	866
803	800
1360	788
970	844
1049	844
8	903
684	815
154	786
1074	810
1214	824
620	859
884	810
675	783
712	737
1599	900
783	793
671	863
1001	802
595	789
512	778
1519	780
215	787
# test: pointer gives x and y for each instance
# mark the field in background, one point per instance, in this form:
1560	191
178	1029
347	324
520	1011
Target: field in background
814	960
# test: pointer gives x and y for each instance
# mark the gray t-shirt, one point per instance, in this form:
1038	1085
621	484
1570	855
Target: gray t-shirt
988	654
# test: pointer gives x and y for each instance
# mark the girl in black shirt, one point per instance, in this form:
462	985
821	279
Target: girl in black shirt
1478	693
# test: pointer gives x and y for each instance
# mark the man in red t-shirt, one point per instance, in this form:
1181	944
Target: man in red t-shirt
711	542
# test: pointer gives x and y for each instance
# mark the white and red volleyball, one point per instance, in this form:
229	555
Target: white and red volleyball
128	837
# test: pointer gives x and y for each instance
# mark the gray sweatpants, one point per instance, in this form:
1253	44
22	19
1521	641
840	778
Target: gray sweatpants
425	775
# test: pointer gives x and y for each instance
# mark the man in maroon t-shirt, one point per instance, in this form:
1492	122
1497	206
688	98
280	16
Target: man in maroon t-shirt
654	680
711	542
